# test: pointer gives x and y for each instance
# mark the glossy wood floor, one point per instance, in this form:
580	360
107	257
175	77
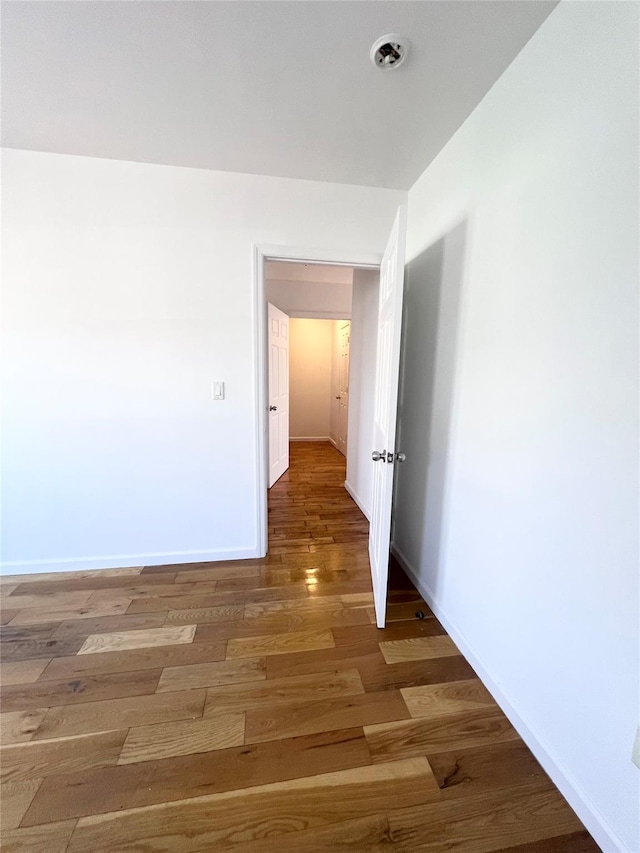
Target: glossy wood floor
255	707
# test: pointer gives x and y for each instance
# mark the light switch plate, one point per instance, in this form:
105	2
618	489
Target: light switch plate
217	390
635	754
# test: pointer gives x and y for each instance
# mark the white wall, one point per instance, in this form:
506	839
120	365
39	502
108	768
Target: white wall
310	350
364	328
518	511
309	290
127	289
310	299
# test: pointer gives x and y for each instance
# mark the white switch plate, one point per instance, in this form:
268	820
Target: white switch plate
635	754
217	390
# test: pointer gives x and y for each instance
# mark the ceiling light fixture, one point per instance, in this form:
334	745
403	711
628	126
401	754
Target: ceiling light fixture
389	51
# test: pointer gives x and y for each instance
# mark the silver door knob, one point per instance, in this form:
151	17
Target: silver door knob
273	408
401	456
377	456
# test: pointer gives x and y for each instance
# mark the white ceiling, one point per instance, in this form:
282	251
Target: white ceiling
272	88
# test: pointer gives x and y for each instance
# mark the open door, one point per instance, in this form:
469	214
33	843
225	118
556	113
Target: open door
344	336
386	399
278	393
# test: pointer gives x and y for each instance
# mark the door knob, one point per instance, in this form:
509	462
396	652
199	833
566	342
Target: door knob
401	456
273	408
377	456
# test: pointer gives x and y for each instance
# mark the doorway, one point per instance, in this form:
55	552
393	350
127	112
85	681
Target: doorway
365	268
388	316
331	314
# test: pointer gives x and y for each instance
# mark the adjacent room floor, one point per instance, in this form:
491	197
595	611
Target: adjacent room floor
255	707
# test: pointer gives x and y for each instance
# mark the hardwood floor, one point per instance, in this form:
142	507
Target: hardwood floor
255	707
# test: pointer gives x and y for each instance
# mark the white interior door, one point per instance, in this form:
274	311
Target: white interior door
278	393
386	400
344	335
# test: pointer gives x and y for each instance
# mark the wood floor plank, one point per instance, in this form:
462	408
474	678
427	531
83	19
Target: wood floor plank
406	611
211	674
423	736
14	633
312	576
112	789
236	565
436	700
323	660
20	726
39	758
220	819
278	644
31	649
395	631
89	581
7	614
418	648
285	622
283	691
297	605
122	713
378	675
15	799
165	740
217	573
486	822
308	620
120	641
90	688
311	717
153	590
218	599
368	833
48	600
356	598
52	838
338	558
34	615
132	660
576	842
91	574
340	587
203	615
484	768
106	624
22	671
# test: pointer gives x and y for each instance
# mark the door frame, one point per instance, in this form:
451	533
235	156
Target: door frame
292	254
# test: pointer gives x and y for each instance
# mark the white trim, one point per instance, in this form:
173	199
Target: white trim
123	561
334	257
262	253
568	785
260	395
309	438
319	315
335	444
361	506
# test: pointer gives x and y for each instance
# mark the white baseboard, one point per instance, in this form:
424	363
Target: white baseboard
310	438
334	442
602	833
363	508
122	561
